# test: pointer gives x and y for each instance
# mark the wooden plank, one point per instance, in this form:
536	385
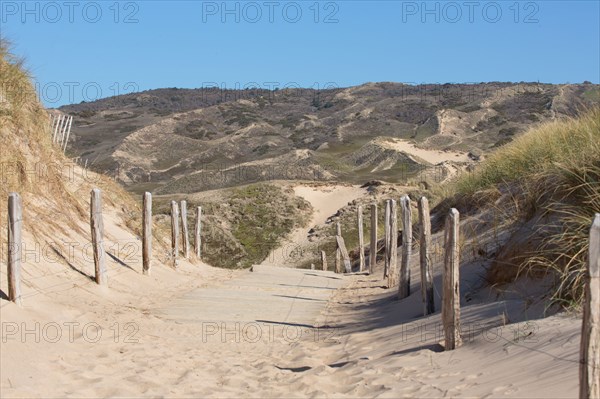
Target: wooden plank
198	233
393	268
404	288
373	246
425	257
174	232
361	241
97	226
451	289
15	240
184	230
324	260
589	354
344	253
146	233
338	253
387	236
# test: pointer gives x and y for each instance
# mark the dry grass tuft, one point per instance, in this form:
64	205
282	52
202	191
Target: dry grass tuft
552	173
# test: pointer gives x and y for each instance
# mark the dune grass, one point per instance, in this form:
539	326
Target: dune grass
554	170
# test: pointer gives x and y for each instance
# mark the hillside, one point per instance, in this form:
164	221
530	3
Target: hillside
189	140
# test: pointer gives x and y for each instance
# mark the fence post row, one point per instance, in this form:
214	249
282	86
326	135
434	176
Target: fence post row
361	242
174	232
338	253
451	290
393	268
589	353
146	233
373	247
344	253
97	226
184	230
425	257
15	237
404	289
198	233
387	243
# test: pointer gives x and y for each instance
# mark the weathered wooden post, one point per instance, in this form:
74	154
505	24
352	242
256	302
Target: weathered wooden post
393	271
15	242
589	354
57	127
404	288
338	253
68	133
344	253
198	233
425	257
146	233
184	228
451	291
97	226
174	232
361	241
324	260
387	238
373	246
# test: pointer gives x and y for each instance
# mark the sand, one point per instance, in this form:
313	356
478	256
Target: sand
434	157
274	332
325	200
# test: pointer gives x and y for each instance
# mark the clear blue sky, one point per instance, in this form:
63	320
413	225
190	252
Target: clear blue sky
80	50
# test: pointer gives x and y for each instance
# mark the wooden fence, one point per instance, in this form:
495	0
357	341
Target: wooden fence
589	371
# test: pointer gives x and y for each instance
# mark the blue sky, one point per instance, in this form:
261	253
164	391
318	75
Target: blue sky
84	50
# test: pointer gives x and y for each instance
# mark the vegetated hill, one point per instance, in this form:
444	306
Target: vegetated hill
188	140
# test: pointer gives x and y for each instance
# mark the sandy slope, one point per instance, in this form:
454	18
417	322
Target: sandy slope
434	157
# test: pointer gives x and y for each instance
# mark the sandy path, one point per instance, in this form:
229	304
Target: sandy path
325	200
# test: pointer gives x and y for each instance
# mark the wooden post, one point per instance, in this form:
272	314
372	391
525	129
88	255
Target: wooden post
146	233
56	128
393	269
338	253
324	260
63	131
344	253
425	257
15	242
361	241
97	226
451	291
404	288
198	233
387	242
312	266
68	133
184	228
373	247
589	354
174	232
